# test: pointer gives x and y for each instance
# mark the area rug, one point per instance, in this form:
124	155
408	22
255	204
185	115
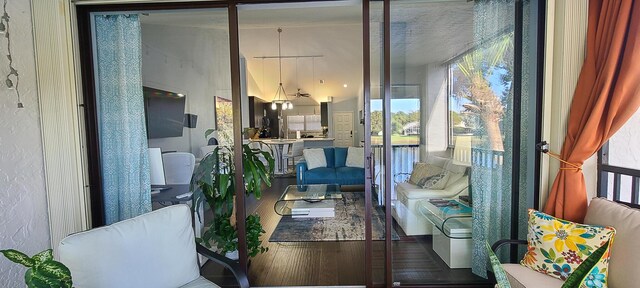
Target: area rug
347	225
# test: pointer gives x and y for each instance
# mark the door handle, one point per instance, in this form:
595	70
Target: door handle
372	165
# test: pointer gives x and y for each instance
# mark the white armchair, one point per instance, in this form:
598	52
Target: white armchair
157	249
404	207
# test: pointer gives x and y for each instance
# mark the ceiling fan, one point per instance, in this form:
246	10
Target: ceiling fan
299	94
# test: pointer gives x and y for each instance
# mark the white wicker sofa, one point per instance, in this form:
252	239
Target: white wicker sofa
404	207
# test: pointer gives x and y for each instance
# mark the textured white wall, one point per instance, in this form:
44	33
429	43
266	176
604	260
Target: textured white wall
192	61
623	146
24	221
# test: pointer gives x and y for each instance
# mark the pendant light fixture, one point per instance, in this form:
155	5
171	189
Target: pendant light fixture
281	95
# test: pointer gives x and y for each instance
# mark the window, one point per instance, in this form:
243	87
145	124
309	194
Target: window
460	122
619	164
303	123
224	120
405	121
478	93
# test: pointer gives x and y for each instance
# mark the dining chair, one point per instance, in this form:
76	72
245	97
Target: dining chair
178	167
295	150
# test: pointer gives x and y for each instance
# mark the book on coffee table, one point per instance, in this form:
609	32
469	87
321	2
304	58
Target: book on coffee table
304	209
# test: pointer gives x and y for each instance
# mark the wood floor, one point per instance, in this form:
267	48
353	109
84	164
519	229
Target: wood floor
337	263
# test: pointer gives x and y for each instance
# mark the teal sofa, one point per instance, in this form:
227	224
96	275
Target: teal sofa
335	173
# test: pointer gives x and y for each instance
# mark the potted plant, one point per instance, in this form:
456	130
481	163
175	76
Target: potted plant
214	182
43	272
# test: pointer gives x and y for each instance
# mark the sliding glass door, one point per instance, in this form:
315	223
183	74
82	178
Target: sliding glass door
452	113
439	98
302	70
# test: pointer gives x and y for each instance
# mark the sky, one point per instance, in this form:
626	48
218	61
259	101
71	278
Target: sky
495	82
397	105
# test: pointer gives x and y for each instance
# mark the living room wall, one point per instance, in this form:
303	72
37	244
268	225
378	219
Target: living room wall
192	61
24	221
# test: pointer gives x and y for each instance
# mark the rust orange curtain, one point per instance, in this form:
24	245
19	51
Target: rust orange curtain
606	96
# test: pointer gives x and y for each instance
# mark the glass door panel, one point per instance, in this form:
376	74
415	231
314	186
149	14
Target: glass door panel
432	222
187	52
302	86
452	120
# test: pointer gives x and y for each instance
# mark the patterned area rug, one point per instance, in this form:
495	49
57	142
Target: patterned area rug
347	225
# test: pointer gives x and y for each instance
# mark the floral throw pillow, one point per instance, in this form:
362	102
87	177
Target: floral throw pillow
435	182
557	247
421	171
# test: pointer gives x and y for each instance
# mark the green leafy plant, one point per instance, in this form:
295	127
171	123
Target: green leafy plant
254	231
43	271
214	182
477	67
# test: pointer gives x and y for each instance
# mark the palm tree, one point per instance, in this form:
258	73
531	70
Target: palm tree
477	66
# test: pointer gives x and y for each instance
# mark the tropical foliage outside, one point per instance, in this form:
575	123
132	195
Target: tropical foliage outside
399	119
481	84
224	121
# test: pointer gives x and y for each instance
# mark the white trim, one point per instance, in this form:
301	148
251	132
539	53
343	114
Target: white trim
54	35
565	38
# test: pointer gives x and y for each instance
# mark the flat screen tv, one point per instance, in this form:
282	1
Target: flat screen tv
164	112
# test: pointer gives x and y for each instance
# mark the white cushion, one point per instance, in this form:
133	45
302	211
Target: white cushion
523	277
437	182
438	161
411	191
156	249
625	252
423	170
455	168
453	177
355	157
315	158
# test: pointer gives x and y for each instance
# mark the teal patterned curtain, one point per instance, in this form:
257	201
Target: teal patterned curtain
121	123
492	144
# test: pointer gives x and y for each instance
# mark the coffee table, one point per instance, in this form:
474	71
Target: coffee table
305	193
452	236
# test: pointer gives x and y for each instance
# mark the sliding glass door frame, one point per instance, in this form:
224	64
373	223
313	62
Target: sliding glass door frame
369	170
89	97
84	14
539	6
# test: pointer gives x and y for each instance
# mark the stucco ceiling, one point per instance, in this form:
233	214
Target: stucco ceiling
422	32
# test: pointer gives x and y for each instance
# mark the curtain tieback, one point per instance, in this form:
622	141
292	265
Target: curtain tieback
572	166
